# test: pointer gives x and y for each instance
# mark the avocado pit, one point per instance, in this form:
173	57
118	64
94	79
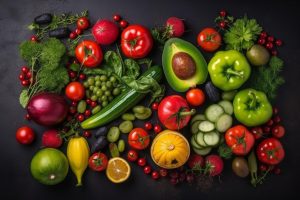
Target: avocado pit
183	65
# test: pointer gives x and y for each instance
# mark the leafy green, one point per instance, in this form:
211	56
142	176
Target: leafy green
132	68
267	78
242	34
24	98
161	34
114	60
104	70
224	151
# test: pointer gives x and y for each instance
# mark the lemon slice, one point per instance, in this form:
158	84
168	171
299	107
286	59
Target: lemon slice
118	170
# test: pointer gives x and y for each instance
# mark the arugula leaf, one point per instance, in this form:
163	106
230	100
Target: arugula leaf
114	60
132	68
24	98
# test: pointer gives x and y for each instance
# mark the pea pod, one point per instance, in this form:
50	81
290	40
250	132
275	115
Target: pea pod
113	149
121	145
126	126
113	134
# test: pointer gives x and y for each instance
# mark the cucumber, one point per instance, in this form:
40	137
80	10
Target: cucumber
202	152
227	106
195	127
122	103
224	122
213	112
198	117
194	143
200	139
206	126
211	138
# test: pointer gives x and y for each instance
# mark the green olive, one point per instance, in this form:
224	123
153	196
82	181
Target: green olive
240	167
103	78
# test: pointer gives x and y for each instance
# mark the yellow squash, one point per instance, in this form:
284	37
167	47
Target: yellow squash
78	152
170	149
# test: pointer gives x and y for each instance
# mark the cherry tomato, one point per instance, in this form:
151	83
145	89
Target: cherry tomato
116	18
80	117
222	24
25	69
257	132
22	77
136	41
98	162
263	168
270	122
263	34
74	103
87	134
157	128
155	175
27	117
34	38
138	138
147	169
278	131
223	13
82	77
163	172
89	53
195	97
155	106
209	39
88	101
123	23
278	42
277	119
72	110
196	161
83	23
78	31
270	151
72	35
72	74
87	113
132	155
75	91
141	162
25	135
148	126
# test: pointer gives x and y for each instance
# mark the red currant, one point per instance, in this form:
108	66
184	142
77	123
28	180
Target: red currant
275	111
27	117
190	178
266	129
117	18
223	13
270	122
82	77
72	35
269	45
88	101
34	38
222	24
72	110
147	169
80	117
74	103
174	174
274	52
263	34
87	113
21	77
72	74
157	128
278	42
123	23
271	39
155	175
277	171
28	75
155	106
163	172
148	126
263	168
87	134
277	119
141	162
25	83
174	181
261	41
93	104
25	69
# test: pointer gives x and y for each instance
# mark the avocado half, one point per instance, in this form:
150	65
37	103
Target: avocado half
176	45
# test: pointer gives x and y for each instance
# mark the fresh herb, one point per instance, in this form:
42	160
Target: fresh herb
267	78
224	151
161	34
62	20
47	61
242	34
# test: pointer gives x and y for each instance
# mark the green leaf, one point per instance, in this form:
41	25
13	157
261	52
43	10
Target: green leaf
145	61
113	60
74	67
24	98
132	68
104	70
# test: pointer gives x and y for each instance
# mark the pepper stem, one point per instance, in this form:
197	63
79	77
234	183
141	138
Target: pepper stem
253	100
233	72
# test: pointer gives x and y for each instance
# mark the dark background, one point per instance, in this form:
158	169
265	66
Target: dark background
279	18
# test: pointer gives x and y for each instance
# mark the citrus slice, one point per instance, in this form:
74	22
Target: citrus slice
118	170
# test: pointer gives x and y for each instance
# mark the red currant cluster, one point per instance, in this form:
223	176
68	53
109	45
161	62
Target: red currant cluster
269	42
25	76
73	75
83	23
223	20
123	23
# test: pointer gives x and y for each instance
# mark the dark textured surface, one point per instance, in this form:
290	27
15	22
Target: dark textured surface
16	182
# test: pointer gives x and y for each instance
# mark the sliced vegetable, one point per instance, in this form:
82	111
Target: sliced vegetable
202	152
200	139
213	112
206	126
195	127
224	123
198	117
227	106
128	117
211	138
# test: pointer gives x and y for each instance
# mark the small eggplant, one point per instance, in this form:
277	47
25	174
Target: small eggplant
59	33
45	18
99	144
101	132
212	92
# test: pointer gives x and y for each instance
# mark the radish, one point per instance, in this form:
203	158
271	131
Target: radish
195	161
214	164
176	26
52	139
105	32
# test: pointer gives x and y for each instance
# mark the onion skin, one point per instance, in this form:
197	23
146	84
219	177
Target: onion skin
47	109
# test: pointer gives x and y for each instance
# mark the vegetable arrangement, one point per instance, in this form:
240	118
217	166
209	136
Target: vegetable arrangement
77	90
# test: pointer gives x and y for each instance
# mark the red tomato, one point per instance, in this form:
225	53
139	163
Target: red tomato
278	131
174	112
195	97
195	161
75	91
141	162
132	155
83	23
25	135
98	162
138	138
209	39
89	53
136	41
239	139
270	151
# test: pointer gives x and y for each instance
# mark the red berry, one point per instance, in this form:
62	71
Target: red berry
87	134
222	24
117	18
27	117
72	110
174	174
157	128
155	175
277	171
274	52
163	172
148	126
25	83
278	42
263	34
87	113
80	117
78	31
93	104
21	77
277	119
262	168
123	23
261	41
72	35
223	13
278	131
88	101
25	69
72	74
174	181
271	39
34	38
28	75
82	77
141	162
266	129
270	122
74	103
275	111
257	132
155	106
51	138
269	45
147	169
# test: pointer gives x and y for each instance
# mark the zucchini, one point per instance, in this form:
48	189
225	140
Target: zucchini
122	103
206	126
224	122
213	112
211	138
202	152
195	127
198	117
227	106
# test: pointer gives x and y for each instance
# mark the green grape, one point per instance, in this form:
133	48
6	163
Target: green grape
97	78
104	103
108	84
99	93
91	87
98	83
91	81
103	78
94	98
103	88
103	98
116	91
107	93
113	79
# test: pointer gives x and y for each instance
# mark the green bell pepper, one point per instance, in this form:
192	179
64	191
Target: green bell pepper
251	107
229	70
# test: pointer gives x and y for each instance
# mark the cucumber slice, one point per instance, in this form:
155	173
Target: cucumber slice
227	106
211	138
213	112
202	152
200	139
224	122
198	117
195	127
206	126
194	143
